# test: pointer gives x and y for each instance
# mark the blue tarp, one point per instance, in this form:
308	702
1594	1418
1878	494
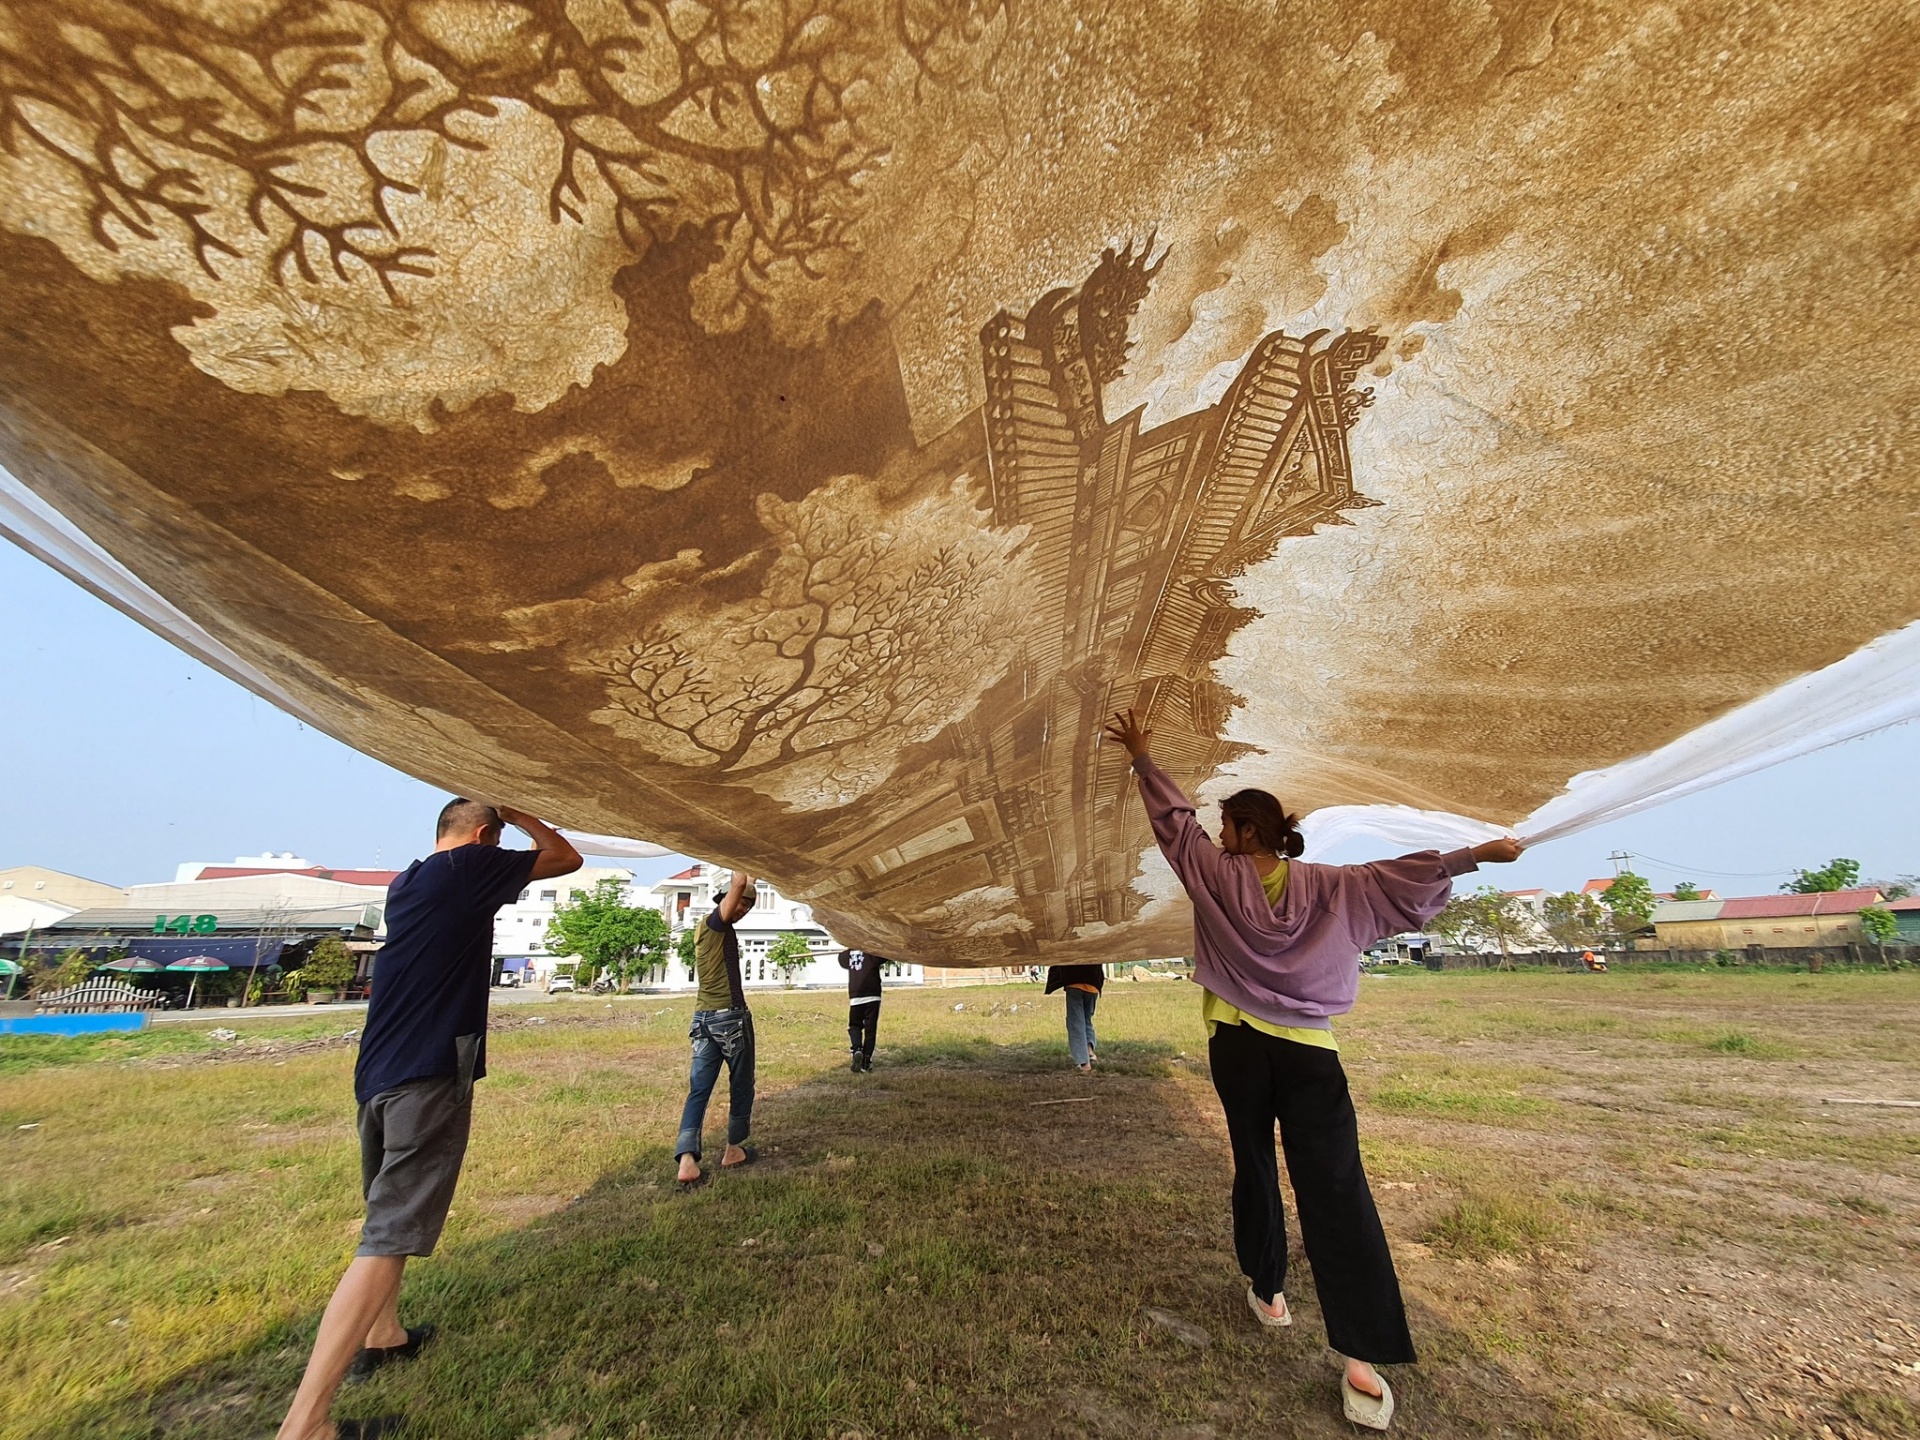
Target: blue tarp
515	963
71	1024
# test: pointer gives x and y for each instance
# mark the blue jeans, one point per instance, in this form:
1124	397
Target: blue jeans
718	1035
1080	1038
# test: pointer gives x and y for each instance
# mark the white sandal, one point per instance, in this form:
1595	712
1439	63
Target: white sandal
1375	1412
1267	1317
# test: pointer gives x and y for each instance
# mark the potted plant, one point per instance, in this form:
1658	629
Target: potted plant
329	970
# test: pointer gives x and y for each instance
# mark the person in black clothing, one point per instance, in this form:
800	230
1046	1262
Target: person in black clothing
423	1046
863	1004
1082	984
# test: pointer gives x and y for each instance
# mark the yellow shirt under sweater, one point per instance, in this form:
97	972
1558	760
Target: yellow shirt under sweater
1216	1011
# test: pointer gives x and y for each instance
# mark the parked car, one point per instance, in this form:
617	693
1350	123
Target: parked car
556	983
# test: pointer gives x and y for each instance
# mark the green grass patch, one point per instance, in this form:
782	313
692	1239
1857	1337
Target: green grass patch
1884	1413
1744	1043
1462	1092
22	1054
1478	1227
1863	1205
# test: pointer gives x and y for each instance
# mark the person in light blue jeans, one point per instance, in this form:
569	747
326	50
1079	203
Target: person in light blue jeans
722	1030
1082	984
719	1036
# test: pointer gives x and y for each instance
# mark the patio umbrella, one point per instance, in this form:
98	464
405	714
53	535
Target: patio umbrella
130	963
197	965
9	969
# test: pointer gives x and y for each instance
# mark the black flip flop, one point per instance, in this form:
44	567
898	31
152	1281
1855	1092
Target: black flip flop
687	1187
381	1427
372	1358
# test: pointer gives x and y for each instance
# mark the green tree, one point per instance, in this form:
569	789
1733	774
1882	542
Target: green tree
1486	916
1686	890
1881	926
1629	901
1836	874
1576	921
607	934
1896	889
789	955
331	966
1451	923
71	968
683	947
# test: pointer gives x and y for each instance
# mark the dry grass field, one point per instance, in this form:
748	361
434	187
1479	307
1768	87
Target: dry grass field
1620	1206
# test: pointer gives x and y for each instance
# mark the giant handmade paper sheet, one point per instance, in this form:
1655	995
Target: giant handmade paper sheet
783	431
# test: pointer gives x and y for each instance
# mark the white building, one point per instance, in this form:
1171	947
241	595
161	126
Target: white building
32	897
686	898
520	929
266	890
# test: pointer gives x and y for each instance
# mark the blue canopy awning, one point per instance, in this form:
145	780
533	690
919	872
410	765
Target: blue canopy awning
240	954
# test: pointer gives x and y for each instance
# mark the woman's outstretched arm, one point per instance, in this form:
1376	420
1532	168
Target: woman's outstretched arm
1176	827
1404	894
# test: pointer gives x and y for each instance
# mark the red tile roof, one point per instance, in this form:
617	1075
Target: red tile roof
345	877
695	873
1600	887
1783	907
1912	902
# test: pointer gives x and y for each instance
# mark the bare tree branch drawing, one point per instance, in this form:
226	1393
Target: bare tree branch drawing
873	631
743	118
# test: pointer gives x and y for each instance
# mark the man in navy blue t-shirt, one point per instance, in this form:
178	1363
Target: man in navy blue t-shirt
423	1047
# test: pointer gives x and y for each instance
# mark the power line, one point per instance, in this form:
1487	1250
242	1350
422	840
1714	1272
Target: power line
1716	874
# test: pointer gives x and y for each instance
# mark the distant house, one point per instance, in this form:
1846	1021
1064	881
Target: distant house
1600	887
1830	917
259	912
283	863
1689	925
32	897
1534	900
1907	913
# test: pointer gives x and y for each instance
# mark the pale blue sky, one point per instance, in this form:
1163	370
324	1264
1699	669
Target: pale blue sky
124	756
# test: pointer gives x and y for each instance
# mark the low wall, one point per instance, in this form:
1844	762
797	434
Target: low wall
1753	957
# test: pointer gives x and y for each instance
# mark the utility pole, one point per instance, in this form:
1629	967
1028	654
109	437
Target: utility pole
1621	861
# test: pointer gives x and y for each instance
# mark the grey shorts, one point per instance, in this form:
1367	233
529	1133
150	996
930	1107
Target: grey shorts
412	1140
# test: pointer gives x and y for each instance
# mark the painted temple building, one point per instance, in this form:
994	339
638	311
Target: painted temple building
1140	534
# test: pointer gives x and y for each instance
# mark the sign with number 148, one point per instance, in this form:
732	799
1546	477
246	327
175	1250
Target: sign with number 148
185	925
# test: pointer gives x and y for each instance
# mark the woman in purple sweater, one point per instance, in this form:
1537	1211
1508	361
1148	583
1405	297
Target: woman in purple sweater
1276	948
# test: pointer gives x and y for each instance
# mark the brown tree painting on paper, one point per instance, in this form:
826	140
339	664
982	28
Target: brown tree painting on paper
783	430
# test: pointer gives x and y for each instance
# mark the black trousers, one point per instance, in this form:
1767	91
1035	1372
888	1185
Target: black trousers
1262	1079
863	1027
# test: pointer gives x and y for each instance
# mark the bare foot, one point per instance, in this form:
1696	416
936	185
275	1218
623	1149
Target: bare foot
736	1155
1364	1378
689	1170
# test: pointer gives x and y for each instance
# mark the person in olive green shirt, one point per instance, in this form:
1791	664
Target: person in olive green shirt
722	1030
